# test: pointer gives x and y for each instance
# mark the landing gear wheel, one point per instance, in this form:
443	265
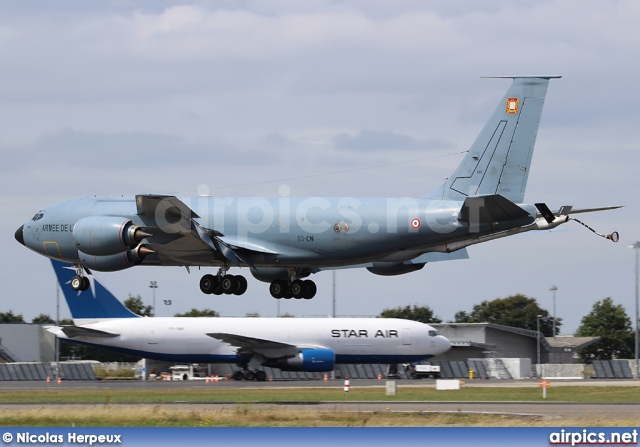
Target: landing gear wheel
312	289
85	284
278	288
238	375
241	285
228	284
299	289
261	376
208	284
249	375
77	282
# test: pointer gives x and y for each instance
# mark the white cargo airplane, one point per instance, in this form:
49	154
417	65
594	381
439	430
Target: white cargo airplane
290	344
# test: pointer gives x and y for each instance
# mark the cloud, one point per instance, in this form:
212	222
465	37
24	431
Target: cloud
131	96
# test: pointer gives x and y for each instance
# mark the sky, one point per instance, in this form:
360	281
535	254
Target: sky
326	98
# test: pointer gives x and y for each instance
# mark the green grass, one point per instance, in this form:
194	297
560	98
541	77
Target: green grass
210	393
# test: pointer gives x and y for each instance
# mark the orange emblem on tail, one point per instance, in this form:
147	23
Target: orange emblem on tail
512	105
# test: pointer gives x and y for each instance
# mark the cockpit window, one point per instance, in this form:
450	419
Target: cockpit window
433	333
39	215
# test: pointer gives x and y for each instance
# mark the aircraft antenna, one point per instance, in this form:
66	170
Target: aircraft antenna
344	171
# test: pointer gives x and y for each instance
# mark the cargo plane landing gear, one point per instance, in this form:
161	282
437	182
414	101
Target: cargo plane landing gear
247	374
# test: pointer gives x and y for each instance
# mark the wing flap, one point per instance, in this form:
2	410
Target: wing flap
235	243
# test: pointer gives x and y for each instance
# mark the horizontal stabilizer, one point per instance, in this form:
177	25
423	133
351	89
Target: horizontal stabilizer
79	331
490	209
549	215
592	210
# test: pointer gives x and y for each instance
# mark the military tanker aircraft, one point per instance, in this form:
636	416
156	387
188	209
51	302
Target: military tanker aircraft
283	240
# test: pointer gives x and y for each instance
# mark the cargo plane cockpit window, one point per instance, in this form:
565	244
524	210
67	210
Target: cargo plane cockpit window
39	215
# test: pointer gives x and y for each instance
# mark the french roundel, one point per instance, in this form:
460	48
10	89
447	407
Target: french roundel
415	223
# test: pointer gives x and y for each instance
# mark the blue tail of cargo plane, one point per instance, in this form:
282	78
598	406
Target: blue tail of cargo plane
94	303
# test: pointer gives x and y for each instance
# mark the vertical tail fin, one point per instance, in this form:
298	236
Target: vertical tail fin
498	161
94	304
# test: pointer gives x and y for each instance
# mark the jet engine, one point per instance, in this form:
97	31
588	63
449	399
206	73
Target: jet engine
310	360
113	263
106	235
393	268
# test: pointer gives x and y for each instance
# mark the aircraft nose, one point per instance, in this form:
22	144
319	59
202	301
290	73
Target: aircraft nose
445	344
20	234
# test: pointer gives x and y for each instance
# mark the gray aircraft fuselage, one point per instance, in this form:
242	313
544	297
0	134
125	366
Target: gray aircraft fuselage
284	232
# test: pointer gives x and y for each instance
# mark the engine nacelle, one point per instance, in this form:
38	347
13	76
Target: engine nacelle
106	235
113	263
309	360
393	268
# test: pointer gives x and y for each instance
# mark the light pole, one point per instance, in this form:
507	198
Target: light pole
538	344
333	310
57	324
154	285
636	246
553	289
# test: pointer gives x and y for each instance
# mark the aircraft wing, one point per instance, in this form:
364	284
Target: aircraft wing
251	345
178	236
80	331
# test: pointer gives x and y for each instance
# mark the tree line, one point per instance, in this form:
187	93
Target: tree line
606	320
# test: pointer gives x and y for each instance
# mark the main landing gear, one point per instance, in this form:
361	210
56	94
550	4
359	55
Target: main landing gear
237	285
227	284
247	374
295	289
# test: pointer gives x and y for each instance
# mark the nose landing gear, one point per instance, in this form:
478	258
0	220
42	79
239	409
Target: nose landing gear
80	283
